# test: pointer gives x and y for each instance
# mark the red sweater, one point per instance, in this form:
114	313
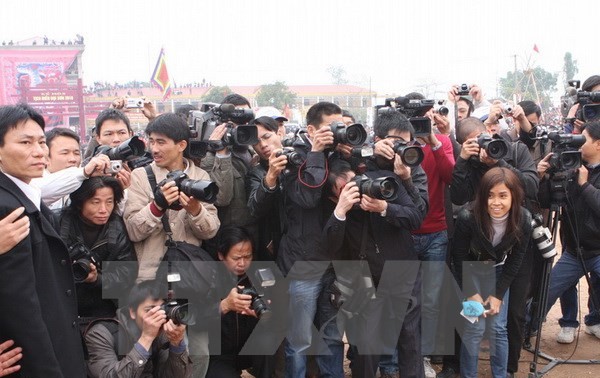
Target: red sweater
438	166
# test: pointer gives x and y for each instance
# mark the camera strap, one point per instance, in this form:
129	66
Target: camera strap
164	219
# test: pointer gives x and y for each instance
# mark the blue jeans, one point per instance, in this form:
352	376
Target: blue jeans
563	280
485	282
429	247
308	303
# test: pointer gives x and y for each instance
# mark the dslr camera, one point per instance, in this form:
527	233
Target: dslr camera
203	122
411	154
265	278
463	90
383	188
495	147
353	135
202	190
132	103
565	153
542	237
82	257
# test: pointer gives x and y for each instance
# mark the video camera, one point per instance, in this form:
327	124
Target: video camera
413	109
82	257
384	188
589	103
589	106
203	122
265	278
411	154
202	190
565	153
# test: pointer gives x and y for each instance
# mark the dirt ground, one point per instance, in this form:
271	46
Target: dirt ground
583	348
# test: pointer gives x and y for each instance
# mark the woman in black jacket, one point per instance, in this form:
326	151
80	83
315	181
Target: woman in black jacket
95	234
490	242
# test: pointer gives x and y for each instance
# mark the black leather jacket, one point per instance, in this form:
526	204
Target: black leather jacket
112	244
470	244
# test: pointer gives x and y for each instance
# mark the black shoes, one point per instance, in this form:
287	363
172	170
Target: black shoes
447	372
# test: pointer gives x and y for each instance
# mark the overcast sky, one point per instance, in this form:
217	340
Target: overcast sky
393	45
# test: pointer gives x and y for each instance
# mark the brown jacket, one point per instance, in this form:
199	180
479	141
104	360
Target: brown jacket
146	230
106	339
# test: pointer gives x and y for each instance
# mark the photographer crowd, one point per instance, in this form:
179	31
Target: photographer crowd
220	246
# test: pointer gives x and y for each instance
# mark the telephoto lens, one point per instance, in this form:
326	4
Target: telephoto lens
384	188
496	148
353	135
542	237
411	155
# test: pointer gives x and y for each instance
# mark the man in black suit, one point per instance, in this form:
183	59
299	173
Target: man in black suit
37	292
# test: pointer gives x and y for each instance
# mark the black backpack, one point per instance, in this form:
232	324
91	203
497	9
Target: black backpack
195	266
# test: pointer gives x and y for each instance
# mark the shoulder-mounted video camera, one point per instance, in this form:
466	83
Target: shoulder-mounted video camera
565	153
589	103
203	122
413	109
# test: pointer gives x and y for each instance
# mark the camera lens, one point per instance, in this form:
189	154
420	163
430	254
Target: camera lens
81	269
591	112
260	308
201	190
178	313
388	189
354	135
496	149
385	188
412	156
245	135
570	160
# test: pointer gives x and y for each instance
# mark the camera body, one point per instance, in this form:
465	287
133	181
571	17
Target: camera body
202	190
495	147
114	167
132	103
411	155
542	237
383	188
565	153
353	135
507	108
82	257
463	90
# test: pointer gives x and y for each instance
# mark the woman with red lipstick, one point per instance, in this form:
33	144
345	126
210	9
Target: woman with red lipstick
95	234
490	242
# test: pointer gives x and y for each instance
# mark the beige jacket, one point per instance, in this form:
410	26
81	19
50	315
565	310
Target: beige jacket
146	230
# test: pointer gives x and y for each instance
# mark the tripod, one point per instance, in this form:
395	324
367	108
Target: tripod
539	305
